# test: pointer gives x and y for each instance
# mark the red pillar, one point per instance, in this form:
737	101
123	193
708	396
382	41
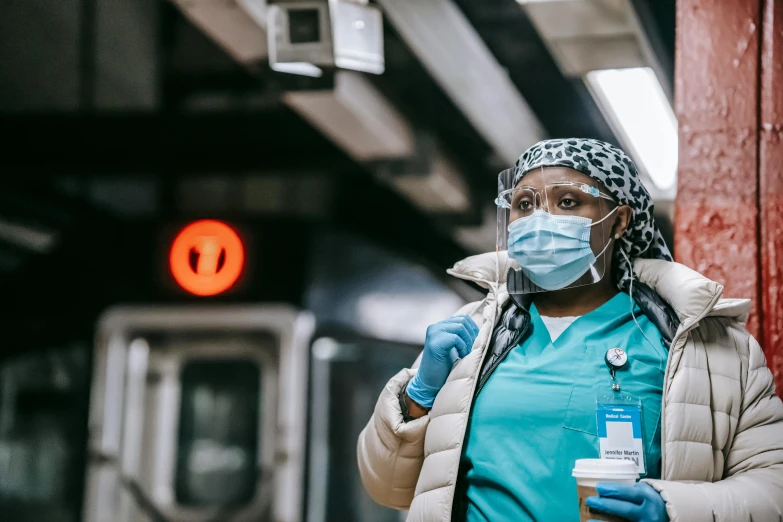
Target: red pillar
716	98
771	185
729	102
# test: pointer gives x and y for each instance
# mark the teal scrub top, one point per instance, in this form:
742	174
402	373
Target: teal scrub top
537	413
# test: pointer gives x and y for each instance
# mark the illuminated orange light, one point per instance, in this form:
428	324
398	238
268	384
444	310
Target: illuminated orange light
206	257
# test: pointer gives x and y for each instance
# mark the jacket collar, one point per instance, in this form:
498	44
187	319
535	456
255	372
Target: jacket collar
486	270
690	294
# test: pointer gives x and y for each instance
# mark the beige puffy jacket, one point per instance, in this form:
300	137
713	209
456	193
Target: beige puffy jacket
722	424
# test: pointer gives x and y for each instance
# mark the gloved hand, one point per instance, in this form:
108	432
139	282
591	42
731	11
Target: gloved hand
638	503
446	342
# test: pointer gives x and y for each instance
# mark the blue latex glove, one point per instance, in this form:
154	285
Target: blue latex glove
446	342
638	503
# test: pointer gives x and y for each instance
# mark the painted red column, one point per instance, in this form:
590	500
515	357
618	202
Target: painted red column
729	102
771	185
717	105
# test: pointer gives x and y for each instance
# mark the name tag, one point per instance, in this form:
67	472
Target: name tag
620	433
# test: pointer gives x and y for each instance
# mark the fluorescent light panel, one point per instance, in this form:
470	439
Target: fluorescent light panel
636	106
300	68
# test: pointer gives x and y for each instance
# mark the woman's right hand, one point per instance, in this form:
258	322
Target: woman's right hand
446	342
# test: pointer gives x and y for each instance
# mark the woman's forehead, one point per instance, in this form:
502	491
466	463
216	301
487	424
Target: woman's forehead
542	176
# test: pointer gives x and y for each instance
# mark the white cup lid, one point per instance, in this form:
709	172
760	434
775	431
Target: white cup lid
605	469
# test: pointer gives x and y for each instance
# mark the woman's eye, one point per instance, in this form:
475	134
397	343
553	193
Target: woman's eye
525	205
567	203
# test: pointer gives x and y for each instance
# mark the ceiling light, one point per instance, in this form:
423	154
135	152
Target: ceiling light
301	68
637	108
29	237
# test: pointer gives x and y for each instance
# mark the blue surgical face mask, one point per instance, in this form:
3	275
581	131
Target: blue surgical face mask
552	251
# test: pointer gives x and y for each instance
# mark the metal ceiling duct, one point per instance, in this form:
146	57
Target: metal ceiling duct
439	189
356	117
458	59
232	24
362	122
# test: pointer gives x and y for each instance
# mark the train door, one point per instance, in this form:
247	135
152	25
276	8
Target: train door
347	375
198	415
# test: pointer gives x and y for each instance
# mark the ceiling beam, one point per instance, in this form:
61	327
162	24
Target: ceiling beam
458	59
586	35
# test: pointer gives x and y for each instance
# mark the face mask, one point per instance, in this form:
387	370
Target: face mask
553	251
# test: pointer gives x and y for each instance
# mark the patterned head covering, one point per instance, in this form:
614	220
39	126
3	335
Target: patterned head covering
615	171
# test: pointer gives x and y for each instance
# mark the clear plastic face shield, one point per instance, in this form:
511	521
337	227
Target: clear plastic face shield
555	224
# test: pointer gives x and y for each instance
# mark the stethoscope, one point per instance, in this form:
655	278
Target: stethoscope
615	359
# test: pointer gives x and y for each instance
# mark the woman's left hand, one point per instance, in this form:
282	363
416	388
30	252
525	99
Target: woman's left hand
638	503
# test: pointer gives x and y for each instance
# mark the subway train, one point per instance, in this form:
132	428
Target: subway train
179	372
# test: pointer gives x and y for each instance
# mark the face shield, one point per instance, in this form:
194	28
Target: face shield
553	228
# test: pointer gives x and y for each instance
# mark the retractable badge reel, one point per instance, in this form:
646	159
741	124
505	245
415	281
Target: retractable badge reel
619	417
615	359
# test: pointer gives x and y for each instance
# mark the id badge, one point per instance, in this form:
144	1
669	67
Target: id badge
620	430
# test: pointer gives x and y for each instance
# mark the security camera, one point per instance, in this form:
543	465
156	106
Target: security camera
305	36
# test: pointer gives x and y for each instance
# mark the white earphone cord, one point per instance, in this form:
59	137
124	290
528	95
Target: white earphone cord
630	294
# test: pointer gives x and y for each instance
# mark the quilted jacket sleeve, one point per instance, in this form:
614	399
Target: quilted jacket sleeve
391	451
752	488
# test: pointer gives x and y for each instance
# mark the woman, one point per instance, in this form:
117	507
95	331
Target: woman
505	397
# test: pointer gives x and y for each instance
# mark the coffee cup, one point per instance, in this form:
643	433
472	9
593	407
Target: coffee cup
589	472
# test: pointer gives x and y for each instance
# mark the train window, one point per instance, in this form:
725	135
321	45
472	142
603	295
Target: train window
43	418
218	445
346	378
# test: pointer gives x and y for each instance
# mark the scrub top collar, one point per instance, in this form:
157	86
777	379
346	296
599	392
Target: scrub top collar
608	316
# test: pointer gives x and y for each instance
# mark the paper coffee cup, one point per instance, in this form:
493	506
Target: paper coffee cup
589	472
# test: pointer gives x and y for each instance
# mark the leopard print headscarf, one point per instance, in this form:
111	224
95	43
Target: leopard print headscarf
613	169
